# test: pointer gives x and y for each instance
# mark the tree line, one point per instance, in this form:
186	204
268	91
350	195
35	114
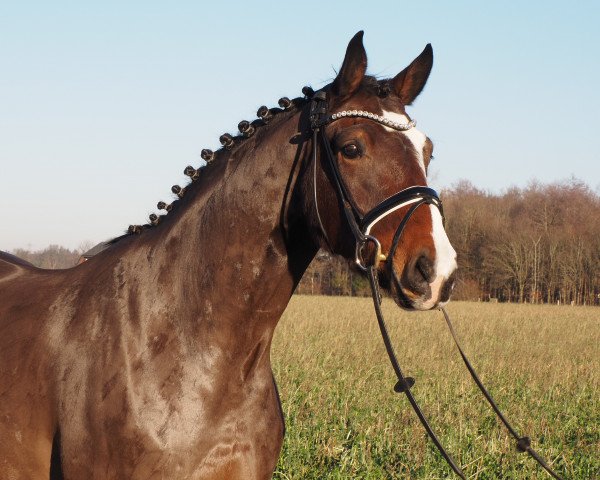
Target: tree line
538	244
52	257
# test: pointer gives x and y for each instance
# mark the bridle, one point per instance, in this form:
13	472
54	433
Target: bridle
361	225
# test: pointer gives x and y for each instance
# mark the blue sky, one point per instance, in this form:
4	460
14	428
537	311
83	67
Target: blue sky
102	104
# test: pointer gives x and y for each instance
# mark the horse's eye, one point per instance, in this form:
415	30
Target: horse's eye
351	151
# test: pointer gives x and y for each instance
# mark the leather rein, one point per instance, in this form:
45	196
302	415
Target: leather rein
360	225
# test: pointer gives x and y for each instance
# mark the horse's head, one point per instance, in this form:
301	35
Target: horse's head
367	156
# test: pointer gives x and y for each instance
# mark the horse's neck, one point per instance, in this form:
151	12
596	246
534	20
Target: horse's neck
224	263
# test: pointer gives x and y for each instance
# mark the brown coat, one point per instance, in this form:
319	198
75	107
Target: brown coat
151	360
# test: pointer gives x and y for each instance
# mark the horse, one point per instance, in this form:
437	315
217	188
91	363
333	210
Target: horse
152	359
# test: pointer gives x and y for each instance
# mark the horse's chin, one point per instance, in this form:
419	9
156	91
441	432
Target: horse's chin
407	300
404	304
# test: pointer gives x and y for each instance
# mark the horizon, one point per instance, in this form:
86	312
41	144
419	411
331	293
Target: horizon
85	244
102	106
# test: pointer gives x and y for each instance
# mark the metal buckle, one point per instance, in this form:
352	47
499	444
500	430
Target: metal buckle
378	257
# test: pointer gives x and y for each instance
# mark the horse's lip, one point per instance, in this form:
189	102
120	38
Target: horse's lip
397	292
404	298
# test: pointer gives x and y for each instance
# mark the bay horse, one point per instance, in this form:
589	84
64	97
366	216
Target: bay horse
152	359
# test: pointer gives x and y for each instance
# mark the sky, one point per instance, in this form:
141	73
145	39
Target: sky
102	104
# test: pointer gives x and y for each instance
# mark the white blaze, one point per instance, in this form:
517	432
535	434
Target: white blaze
416	137
445	259
445	255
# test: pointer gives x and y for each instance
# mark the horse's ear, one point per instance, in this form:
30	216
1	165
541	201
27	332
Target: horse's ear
410	81
353	69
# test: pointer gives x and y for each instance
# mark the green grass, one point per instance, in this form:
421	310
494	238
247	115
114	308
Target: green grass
541	364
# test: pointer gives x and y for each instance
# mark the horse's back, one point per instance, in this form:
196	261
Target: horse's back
26	293
10	263
22	287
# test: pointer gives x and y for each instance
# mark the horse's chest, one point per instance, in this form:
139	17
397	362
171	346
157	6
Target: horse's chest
170	404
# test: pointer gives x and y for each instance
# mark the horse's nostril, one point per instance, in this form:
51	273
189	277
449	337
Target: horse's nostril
424	266
419	275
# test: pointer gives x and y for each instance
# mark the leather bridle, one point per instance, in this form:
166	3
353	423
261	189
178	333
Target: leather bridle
360	225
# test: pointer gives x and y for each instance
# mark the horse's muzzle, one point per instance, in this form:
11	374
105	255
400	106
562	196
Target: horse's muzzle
419	286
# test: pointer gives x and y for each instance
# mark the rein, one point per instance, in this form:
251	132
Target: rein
360	225
523	443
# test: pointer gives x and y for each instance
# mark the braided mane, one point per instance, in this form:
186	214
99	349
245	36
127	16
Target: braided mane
230	144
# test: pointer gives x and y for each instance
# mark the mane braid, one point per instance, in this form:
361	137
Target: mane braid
230	145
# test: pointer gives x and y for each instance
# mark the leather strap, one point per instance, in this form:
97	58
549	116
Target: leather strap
315	198
399	200
405	383
523	443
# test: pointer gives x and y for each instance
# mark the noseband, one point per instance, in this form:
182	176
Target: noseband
360	225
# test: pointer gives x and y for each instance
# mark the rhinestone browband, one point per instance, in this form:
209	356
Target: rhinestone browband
373	116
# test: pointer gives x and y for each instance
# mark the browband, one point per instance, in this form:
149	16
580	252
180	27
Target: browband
371	116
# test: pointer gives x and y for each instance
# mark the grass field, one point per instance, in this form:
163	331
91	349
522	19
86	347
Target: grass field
541	364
